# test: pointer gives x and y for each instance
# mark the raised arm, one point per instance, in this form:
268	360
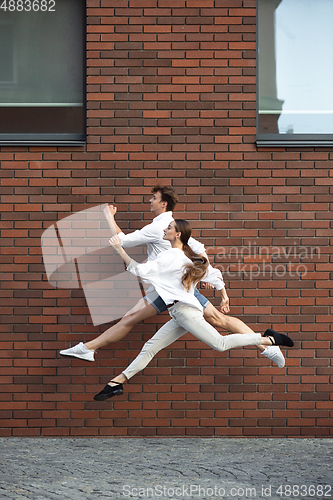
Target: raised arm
109	213
215	278
116	244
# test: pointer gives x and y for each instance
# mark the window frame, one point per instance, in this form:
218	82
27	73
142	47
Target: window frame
283	140
58	139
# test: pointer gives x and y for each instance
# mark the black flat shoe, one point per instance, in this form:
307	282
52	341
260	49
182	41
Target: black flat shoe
278	338
109	391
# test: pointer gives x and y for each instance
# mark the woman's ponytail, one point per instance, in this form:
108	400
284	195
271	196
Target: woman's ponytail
192	274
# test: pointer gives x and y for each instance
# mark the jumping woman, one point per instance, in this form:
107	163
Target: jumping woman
174	274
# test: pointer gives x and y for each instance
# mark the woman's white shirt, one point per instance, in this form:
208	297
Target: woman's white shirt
165	273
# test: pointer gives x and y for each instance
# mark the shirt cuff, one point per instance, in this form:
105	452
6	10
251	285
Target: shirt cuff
132	265
219	284
121	236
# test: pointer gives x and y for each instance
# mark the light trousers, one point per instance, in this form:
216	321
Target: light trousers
185	319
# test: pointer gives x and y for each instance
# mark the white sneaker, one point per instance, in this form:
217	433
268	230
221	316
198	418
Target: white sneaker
274	353
79	351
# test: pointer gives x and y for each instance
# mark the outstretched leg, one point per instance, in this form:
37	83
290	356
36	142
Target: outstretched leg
142	310
235	325
229	323
165	336
186	318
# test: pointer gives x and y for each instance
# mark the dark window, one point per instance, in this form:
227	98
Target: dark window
295	72
42	72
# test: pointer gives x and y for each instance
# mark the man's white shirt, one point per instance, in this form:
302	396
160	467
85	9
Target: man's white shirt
152	236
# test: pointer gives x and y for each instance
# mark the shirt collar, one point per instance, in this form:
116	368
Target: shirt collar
165	215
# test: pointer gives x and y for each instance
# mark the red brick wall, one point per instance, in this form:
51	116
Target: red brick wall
171	98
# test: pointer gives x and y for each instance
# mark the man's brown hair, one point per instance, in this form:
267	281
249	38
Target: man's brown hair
168	195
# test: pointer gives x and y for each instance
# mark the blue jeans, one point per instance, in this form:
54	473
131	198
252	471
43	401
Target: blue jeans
158	303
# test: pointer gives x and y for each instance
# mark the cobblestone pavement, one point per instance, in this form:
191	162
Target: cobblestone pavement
166	468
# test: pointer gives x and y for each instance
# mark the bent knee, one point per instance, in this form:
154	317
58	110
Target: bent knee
215	318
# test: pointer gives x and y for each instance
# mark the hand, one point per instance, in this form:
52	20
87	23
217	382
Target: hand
116	243
110	210
224	306
207	286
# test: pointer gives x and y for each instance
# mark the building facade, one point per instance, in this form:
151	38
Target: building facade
171	99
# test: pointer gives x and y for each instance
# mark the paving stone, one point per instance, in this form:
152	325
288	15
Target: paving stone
166	468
